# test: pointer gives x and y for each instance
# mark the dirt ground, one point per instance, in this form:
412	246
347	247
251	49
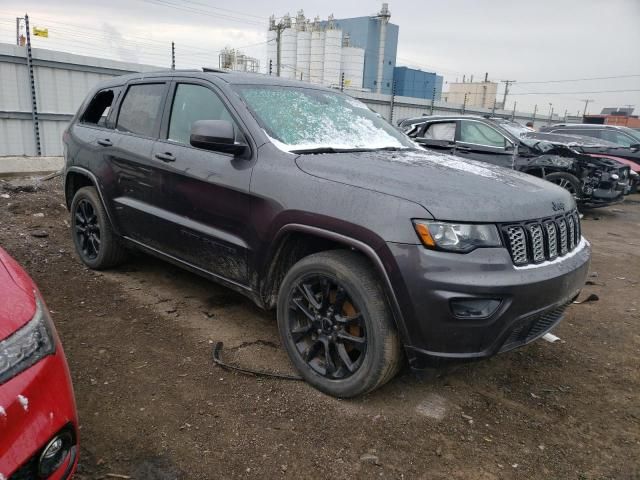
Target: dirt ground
153	405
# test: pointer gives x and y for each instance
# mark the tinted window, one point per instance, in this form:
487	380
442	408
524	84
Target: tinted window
192	103
480	134
98	109
441	131
617	137
140	109
578	131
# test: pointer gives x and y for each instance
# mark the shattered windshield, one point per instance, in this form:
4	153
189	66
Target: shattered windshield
302	120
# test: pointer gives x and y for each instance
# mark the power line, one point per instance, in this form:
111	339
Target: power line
581	79
169	4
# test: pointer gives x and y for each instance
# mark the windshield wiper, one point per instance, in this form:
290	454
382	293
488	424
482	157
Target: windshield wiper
303	151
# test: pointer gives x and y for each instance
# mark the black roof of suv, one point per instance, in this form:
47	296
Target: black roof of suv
307	202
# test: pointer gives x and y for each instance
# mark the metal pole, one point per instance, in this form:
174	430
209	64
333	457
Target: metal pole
513	114
341	81
270	67
278	37
393	101
507	83
565	115
173	56
18	31
34	104
433	99
493	110
535	110
586	105
464	105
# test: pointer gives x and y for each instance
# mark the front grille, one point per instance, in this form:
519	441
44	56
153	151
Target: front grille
539	240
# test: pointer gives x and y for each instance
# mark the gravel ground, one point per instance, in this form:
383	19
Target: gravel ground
153	405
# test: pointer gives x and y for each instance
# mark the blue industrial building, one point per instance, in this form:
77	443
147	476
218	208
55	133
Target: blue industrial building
416	83
365	32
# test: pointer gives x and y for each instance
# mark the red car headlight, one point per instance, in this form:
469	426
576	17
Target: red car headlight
28	345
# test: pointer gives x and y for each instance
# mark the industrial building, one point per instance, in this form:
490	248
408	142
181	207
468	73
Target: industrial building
363	49
233	59
417	84
472	94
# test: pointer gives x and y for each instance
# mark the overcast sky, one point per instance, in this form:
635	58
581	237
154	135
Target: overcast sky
527	41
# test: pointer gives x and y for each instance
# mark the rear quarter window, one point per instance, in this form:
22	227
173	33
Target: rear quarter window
98	109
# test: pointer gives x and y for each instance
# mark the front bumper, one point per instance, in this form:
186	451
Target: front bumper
36	405
532	299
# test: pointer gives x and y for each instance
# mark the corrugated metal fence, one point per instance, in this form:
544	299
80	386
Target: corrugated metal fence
62	81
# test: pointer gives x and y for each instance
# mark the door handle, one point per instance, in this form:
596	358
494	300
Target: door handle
463	149
166	157
105	142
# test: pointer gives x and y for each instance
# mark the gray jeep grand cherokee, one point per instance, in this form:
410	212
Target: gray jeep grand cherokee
307	202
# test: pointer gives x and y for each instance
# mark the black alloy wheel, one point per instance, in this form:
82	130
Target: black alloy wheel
567	181
97	245
327	327
87	229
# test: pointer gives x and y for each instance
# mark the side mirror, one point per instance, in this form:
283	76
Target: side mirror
635	146
215	135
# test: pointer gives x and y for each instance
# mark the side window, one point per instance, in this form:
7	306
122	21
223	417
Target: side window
480	134
192	103
140	109
98	109
441	131
585	133
617	137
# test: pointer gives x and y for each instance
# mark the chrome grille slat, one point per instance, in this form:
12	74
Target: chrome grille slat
552	240
518	244
562	228
539	240
537	243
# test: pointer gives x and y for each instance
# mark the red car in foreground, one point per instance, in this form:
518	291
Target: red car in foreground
38	420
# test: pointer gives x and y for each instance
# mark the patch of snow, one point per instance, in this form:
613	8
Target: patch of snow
551	338
24	401
584	243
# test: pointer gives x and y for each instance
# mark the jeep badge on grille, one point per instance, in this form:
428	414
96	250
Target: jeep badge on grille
557	206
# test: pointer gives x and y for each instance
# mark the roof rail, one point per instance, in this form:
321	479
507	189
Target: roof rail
214	70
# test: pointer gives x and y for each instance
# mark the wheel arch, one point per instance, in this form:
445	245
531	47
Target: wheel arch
296	241
76	178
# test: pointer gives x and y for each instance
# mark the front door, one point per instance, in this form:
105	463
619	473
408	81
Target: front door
481	142
203	196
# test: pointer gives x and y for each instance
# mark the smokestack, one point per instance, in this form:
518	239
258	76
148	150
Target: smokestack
383	17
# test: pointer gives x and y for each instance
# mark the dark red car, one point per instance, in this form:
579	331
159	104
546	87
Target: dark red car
38	420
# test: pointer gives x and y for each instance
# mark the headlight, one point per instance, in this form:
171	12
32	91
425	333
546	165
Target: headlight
457	237
27	346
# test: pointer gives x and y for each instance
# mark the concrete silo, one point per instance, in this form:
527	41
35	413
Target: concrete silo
303	59
316	69
288	49
332	55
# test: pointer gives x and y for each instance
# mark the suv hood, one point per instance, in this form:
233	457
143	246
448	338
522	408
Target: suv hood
449	187
17	296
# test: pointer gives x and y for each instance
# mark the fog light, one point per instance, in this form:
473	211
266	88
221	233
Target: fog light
474	308
54	454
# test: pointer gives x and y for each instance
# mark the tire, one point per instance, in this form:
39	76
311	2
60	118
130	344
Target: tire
96	244
567	181
361	327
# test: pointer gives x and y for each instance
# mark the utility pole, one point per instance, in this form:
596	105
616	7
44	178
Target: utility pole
493	110
566	112
586	101
341	81
173	56
393	101
34	104
550	113
433	99
535	110
507	84
464	105
513	114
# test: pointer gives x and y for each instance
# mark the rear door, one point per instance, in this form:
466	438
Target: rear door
478	141
204	201
134	182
